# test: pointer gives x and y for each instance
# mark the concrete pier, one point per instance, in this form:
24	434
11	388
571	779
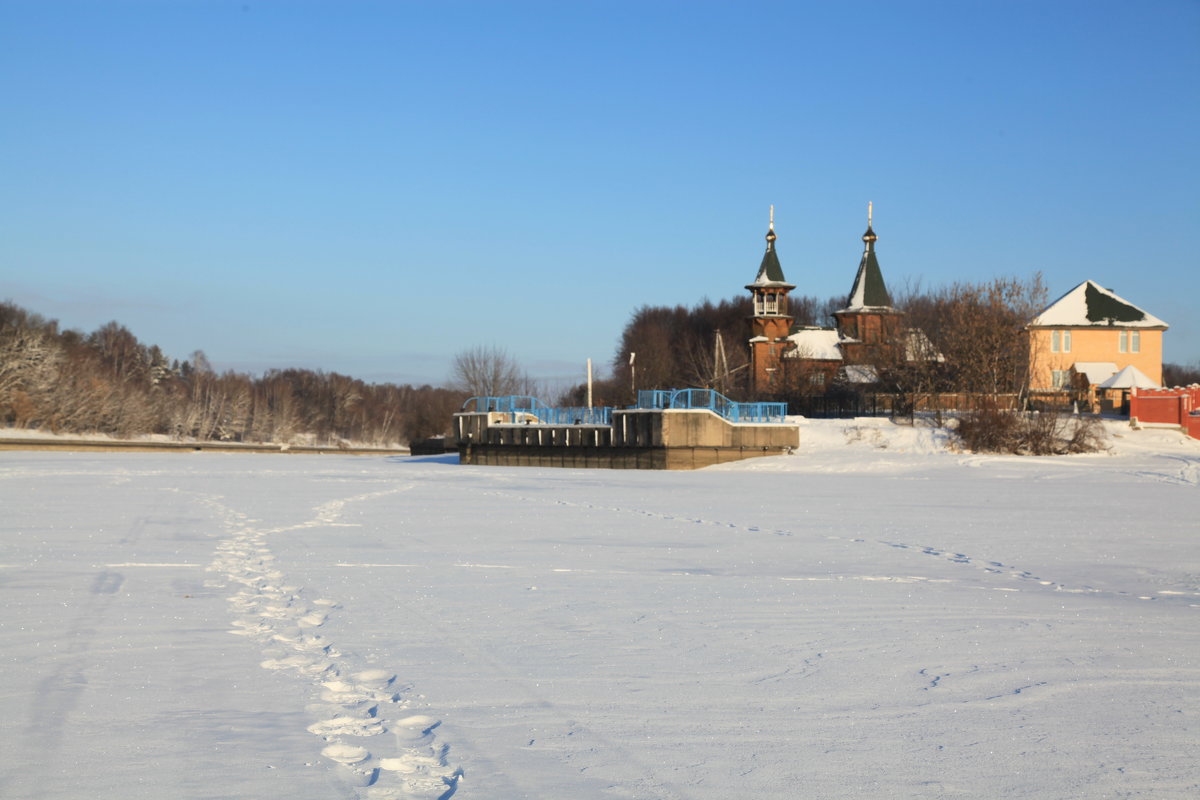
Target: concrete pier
636	439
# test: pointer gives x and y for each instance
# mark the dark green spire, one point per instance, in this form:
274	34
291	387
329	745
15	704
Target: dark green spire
770	272
869	290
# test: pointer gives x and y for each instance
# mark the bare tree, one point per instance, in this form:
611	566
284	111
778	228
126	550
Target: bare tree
488	371
980	330
108	382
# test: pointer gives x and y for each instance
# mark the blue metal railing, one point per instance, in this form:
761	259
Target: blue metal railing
520	408
514	404
580	415
713	401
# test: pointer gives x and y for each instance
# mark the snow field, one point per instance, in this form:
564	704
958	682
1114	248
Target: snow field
873	616
354	705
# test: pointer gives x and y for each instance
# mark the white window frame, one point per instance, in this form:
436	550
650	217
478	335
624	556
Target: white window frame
1060	341
1135	341
1060	378
1122	339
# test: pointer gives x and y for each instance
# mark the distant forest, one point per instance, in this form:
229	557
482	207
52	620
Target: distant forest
109	382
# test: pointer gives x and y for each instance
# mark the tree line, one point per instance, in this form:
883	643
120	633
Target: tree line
971	339
702	346
109	382
964	337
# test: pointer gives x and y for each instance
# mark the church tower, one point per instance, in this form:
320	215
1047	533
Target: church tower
770	325
868	324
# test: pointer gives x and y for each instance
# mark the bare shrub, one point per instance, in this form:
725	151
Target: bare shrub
1085	434
1037	433
989	429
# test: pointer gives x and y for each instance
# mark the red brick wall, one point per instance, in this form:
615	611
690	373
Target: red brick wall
1172	406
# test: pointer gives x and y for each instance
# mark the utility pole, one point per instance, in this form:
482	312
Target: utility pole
720	363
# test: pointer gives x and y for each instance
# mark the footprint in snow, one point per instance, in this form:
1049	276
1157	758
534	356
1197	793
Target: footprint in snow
347	726
353	763
285	623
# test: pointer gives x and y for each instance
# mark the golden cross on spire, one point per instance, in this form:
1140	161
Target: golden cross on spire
771	224
869	213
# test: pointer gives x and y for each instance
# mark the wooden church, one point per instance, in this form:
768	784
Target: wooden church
787	358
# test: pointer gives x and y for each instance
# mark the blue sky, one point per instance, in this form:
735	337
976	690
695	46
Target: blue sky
372	187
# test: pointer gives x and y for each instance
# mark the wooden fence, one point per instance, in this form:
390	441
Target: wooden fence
843	406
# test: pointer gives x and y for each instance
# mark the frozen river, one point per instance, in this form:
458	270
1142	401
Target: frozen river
871	617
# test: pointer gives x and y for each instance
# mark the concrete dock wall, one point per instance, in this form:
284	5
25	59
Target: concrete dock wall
637	439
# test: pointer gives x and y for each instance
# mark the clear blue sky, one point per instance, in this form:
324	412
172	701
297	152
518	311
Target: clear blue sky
371	187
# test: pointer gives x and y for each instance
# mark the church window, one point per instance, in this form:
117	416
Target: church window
771	303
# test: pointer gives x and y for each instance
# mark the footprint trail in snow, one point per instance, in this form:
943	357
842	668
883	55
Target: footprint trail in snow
378	749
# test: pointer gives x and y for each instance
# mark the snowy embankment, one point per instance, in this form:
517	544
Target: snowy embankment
874	616
297	443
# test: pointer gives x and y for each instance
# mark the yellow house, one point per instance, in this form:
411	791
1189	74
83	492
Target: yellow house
1088	331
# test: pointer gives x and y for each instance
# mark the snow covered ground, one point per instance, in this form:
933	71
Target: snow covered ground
874	616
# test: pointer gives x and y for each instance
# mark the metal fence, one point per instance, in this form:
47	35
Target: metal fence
579	415
530	410
507	404
870	404
713	401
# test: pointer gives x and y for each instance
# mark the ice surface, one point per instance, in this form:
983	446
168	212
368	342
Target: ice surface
874	616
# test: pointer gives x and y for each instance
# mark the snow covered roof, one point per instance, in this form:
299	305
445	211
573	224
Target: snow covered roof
1090	304
1096	371
918	347
858	373
1128	378
817	343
